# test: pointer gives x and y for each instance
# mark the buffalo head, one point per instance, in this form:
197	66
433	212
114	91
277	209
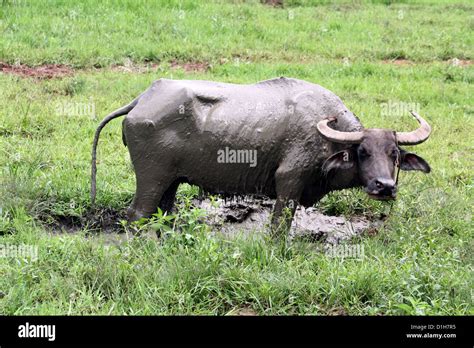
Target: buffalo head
376	155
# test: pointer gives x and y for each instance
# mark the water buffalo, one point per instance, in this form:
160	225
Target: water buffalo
305	143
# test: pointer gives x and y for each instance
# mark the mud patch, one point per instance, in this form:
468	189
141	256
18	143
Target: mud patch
274	3
129	66
103	220
253	216
460	62
190	66
47	71
398	62
231	218
406	62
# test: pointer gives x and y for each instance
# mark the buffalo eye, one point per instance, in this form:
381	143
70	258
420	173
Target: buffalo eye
394	153
363	153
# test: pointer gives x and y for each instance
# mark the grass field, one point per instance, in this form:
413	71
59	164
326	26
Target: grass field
374	54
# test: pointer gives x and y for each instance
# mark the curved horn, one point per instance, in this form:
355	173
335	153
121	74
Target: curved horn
337	136
417	136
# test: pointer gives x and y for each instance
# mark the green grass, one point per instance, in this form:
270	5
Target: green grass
99	34
419	262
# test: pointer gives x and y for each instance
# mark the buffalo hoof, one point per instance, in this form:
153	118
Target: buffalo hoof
134	215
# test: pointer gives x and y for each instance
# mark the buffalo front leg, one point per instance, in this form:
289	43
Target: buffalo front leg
288	189
167	200
282	216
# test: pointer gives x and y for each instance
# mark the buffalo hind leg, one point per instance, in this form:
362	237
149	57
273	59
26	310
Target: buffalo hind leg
149	194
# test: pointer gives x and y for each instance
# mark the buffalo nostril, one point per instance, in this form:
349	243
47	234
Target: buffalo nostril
379	185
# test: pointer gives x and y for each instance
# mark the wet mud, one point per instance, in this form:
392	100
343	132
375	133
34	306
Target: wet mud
230	218
101	221
254	217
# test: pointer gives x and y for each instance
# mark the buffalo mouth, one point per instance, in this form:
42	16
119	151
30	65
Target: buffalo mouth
382	197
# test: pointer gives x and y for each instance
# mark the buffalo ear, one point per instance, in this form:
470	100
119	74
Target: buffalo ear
410	161
340	160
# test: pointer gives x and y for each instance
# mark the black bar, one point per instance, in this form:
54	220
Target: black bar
241	330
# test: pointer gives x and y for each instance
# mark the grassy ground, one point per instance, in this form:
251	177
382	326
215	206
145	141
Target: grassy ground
419	262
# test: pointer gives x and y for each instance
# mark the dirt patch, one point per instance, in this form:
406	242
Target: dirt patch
398	62
274	3
460	62
406	62
338	311
132	68
129	66
190	66
47	71
246	312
